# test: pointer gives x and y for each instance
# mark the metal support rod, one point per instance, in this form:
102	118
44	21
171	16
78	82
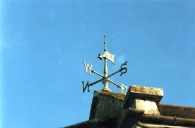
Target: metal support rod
105	60
106	78
115	83
118	72
105	81
105	68
97	73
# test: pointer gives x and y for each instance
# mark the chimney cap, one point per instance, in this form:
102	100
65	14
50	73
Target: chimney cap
142	92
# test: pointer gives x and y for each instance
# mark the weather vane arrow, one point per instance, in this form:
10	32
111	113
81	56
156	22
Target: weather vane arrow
105	78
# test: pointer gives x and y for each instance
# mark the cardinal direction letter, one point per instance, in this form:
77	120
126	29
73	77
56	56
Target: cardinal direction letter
123	88
85	86
88	68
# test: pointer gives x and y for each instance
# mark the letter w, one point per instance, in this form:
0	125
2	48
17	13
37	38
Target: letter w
88	68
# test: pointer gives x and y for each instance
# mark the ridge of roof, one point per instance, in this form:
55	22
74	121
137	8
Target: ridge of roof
113	94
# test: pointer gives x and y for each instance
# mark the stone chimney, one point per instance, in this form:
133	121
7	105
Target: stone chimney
143	98
119	107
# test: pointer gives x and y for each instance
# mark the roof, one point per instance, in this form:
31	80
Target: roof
111	109
164	109
94	123
178	111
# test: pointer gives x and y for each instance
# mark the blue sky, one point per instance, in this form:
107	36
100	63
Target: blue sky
43	44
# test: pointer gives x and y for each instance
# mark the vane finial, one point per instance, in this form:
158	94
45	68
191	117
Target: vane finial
105	43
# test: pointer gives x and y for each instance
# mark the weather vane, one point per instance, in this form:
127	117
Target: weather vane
105	78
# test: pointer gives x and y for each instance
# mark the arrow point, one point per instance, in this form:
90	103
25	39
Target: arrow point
100	56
